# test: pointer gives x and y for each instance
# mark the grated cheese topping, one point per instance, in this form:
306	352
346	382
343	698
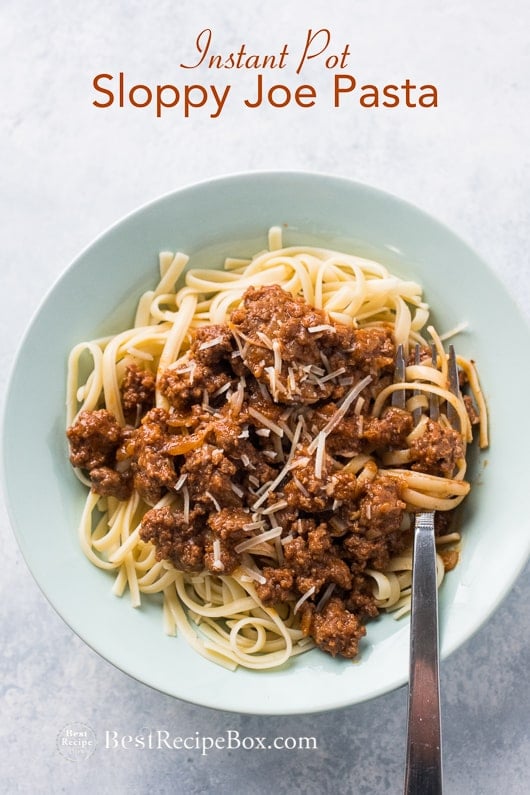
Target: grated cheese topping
320	453
340	413
210	343
217	562
180	482
212	498
303	598
249	543
269	424
322	327
186	505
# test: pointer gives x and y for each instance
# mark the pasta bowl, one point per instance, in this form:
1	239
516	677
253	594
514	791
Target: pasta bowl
97	296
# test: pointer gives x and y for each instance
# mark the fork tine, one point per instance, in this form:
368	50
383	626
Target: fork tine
454	387
398	396
434	406
417	412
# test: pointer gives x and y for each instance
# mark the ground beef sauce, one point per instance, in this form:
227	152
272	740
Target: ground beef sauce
227	445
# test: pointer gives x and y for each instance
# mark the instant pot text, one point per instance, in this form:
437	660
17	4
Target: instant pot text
277	81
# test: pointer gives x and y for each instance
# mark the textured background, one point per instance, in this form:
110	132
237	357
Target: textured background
69	170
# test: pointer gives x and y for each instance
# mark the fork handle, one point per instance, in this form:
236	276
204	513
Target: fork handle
424	753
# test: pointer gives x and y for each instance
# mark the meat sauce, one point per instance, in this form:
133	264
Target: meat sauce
245	405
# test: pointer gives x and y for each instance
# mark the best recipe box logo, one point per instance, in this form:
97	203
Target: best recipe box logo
77	742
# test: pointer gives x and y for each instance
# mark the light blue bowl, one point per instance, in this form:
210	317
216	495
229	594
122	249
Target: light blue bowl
97	295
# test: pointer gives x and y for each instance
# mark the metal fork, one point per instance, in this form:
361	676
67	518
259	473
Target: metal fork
423	775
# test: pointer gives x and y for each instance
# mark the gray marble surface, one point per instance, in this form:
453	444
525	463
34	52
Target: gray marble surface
69	170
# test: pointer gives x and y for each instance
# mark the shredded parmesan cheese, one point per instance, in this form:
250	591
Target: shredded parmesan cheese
237	398
269	424
325	597
237	490
251	574
334	374
253	542
222	389
217	562
258	525
341	411
186	507
276	507
265	339
322	327
277	358
180	482
212	498
210	343
300	486
321	451
302	599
